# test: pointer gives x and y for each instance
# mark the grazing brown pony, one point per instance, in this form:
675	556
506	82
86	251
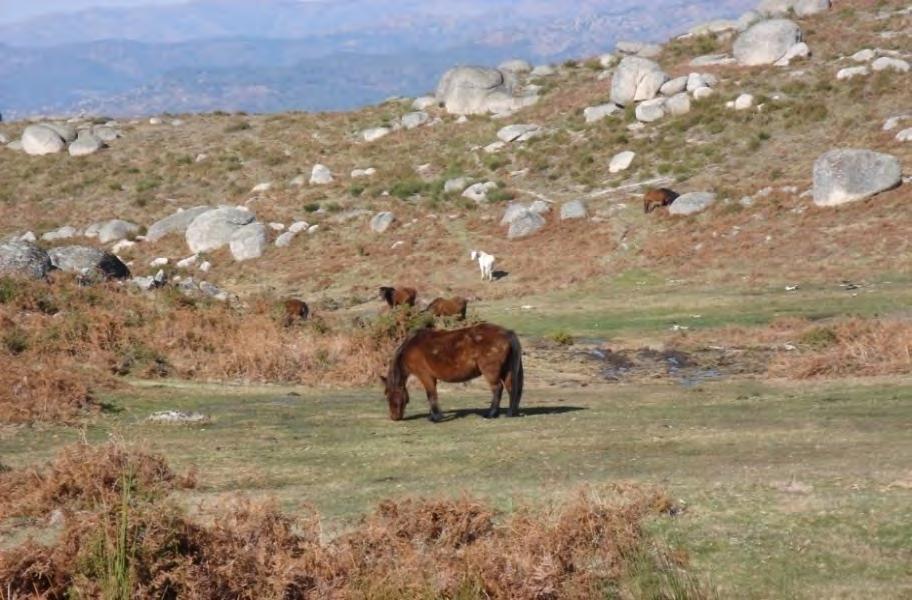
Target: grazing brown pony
449	307
294	310
657	197
399	296
456	356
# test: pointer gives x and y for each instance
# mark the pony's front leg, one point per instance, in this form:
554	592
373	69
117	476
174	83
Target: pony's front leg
430	386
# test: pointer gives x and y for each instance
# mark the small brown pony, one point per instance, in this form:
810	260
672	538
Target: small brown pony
655	198
294	310
399	296
456	356
448	307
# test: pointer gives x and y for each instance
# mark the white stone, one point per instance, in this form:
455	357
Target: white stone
895	64
850	72
743	102
159	262
862	56
597	113
905	135
357	173
674	86
320	175
375	133
261	187
650	110
703	93
621	161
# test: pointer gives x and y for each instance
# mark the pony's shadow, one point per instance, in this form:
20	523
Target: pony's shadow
533	411
498	275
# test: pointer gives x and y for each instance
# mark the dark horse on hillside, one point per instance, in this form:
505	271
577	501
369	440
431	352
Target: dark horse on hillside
398	296
456	356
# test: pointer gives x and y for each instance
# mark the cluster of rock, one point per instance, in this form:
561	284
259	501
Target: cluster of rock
873	60
25	258
480	90
80	139
410	120
523	220
892	123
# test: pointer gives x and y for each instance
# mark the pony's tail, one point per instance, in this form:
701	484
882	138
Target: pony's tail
516	374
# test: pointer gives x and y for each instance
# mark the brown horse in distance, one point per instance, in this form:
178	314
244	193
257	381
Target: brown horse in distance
449	307
657	197
456	356
399	296
295	310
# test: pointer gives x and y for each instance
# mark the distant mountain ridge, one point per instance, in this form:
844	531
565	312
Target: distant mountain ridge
280	54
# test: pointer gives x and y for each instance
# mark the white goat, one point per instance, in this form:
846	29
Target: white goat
485	263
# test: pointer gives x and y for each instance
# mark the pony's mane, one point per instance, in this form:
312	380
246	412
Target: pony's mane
396	376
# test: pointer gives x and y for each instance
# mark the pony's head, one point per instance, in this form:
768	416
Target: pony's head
473	255
397	397
386	293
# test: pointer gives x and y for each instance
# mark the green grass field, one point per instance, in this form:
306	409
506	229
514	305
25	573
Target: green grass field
790	490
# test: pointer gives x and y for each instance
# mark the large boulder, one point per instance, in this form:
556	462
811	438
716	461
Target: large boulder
692	203
66	131
85	144
105	133
478	90
38	140
116	229
213	229
25	259
621	161
514	211
382	221
176	223
636	79
766	42
525	225
847	175
248	242
87	260
802	8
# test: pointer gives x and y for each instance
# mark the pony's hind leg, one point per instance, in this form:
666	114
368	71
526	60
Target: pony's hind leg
496	394
514	401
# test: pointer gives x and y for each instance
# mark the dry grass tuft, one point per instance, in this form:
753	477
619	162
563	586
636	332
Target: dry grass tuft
131	539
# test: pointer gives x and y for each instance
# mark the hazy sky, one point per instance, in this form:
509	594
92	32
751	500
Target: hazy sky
17	10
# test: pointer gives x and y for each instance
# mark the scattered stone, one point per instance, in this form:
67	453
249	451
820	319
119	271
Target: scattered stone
636	79
519	132
298	180
799	50
893	122
711	60
850	72
85	144
456	184
24	259
479	192
414	119
159	262
285	239
38	140
205	266
540	207
214	229
85	260
542	71
639	49
575	209
650	110
621	161
248	242
67	132
744	102
277	226
766	42
424	102
597	113
320	175
525	225
608	60
15	146
28	236
148	283
105	133
863	56
61	233
674	86
801	8
517	66
375	133
155	121
692	203
514	211
847	175
679	104
298	226
714	27
122	245
895	64
178	417
495	147
905	135
175	223
261	187
703	93
382	221
116	229
357	173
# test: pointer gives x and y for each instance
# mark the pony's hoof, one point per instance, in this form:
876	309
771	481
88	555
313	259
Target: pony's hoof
492	414
435	417
511	413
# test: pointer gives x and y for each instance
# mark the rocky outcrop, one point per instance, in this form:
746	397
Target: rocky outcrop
636	79
847	175
766	42
23	259
478	90
214	229
176	223
85	260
